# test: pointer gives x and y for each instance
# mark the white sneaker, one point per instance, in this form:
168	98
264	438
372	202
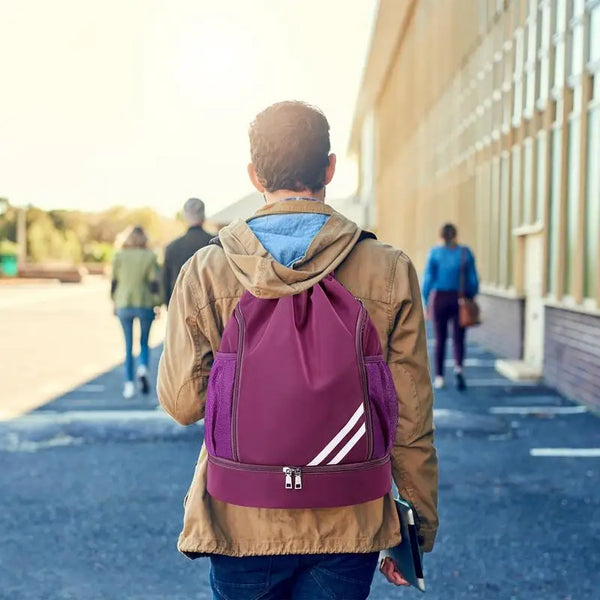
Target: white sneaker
142	375
129	390
438	382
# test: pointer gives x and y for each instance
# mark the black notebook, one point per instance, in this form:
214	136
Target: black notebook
407	554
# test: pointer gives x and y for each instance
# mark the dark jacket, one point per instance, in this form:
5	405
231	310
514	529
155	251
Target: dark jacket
178	252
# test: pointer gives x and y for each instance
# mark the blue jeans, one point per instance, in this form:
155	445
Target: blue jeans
293	577
127	316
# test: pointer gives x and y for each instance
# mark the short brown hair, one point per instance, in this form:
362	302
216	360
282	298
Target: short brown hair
289	147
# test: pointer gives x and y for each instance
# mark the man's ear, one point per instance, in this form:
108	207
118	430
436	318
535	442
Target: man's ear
254	179
330	169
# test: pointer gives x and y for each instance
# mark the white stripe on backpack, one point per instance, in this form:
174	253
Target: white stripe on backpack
317	460
351	443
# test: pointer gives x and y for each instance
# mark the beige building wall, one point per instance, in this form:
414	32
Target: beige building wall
486	115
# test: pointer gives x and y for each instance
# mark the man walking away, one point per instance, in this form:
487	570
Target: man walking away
184	247
300	340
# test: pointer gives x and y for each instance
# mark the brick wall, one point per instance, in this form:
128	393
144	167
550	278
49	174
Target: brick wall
572	354
502	329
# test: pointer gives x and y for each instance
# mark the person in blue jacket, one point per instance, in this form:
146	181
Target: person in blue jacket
441	290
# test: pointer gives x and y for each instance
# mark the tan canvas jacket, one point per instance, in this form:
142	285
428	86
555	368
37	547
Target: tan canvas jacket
205	295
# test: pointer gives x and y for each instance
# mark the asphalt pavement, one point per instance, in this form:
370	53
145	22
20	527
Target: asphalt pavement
92	489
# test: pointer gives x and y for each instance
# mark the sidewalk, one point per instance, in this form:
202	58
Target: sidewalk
98	516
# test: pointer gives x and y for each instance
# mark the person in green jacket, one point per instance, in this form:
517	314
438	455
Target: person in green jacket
136	294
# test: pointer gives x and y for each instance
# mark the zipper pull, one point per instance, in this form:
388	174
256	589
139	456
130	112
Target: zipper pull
288	477
297	479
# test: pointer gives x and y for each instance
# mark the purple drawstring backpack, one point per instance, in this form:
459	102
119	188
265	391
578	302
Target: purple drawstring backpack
301	408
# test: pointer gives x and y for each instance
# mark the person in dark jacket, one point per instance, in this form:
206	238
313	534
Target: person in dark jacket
180	250
448	265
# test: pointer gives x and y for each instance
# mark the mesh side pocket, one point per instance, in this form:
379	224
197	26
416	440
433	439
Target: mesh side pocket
219	398
383	406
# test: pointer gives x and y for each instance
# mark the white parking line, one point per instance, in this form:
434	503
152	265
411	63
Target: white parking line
567	452
44	418
498	382
534	410
472	362
92	387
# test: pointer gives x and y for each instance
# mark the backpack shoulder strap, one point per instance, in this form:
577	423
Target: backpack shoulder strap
215	242
365	235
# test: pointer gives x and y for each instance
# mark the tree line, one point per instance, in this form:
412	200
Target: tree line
80	237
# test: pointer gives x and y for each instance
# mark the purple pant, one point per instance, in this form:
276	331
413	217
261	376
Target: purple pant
445	308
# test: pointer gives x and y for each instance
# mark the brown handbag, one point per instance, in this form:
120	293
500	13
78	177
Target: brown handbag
469	313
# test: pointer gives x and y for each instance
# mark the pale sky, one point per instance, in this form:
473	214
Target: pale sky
147	102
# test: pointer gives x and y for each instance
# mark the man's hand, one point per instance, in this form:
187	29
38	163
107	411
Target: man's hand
391	573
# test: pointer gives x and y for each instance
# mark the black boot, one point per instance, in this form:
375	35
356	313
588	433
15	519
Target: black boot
459	379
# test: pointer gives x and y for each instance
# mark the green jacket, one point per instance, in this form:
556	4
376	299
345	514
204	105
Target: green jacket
135	279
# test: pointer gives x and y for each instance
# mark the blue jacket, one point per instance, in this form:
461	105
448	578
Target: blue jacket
443	271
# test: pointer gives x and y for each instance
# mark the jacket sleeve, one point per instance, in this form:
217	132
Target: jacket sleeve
429	276
414	459
167	279
114	276
187	356
153	281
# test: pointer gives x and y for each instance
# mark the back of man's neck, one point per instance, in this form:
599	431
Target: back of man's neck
287	195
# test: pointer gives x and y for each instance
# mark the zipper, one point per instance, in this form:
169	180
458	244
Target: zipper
292	476
360	327
297	478
297	473
239	317
287	471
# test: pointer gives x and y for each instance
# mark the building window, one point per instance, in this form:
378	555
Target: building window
516	213
530	64
484	204
559	18
483	17
528	210
543	80
540	200
494	222
559	65
555	210
594	51
576	38
517	76
503	244
576	50
543	54
517	101
531	43
591	280
572	202
544	26
592	195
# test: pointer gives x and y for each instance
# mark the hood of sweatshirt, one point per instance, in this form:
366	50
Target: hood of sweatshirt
263	276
